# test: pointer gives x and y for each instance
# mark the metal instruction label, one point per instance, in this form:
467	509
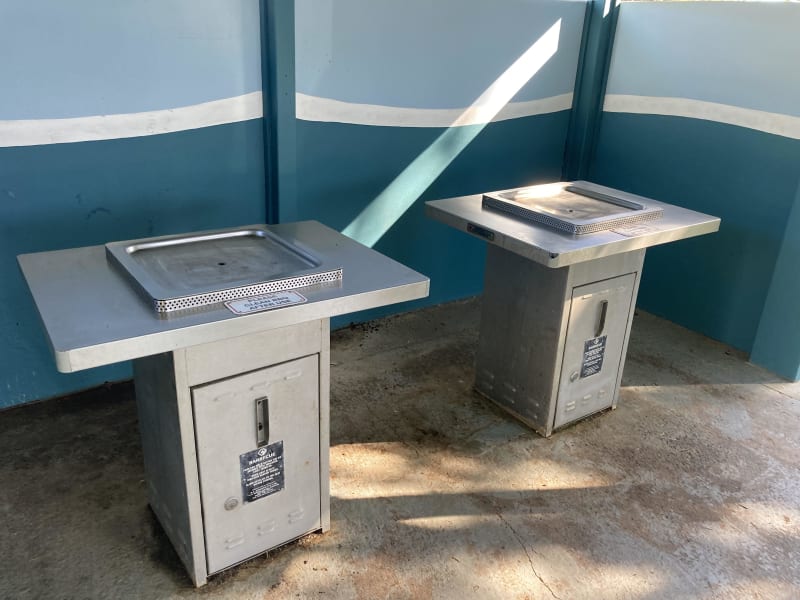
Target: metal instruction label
262	472
593	352
270	301
636	230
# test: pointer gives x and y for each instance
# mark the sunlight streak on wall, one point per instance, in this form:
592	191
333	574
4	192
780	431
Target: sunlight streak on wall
385	210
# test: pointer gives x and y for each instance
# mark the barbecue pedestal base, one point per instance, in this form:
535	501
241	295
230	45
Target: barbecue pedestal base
235	443
552	341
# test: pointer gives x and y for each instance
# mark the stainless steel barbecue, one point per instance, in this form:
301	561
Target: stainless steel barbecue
562	274
233	399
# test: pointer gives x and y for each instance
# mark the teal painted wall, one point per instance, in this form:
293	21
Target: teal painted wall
715	284
700	112
352	164
69	195
94	58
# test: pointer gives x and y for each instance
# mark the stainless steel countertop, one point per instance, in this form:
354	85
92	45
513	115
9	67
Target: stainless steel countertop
93	316
553	248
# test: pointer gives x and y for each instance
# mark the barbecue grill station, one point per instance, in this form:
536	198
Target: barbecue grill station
228	331
562	273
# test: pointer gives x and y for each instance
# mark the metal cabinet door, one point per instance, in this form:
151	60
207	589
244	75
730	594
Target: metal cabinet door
260	487
596	332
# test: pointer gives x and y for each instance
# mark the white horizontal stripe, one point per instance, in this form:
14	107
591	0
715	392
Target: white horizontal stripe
314	108
38	132
768	122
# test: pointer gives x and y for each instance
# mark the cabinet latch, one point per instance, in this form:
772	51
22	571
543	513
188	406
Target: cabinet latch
262	421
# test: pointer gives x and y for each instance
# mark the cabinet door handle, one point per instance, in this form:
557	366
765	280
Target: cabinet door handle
601	324
262	421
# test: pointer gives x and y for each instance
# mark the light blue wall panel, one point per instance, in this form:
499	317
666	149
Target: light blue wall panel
424	54
98	57
739	53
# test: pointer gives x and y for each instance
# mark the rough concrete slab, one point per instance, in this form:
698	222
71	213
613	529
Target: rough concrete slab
689	489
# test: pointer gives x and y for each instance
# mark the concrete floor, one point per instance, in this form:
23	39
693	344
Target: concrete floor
690	489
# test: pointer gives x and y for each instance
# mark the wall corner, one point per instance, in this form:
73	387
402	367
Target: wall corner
777	343
599	26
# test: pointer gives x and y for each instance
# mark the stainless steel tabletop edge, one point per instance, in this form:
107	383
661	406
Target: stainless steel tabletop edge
93	316
107	353
556	249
